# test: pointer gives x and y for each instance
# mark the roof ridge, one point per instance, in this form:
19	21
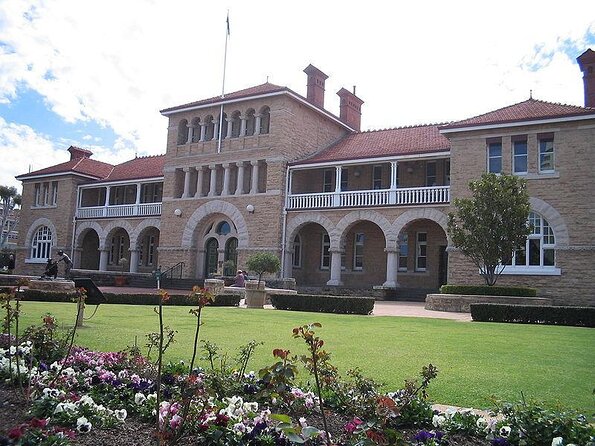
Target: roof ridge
436	124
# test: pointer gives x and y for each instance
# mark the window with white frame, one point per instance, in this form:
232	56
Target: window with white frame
46	194
546	153
297	252
494	156
538	251
421	252
325	258
431	173
37	200
358	251
41	245
377	176
150	250
116	250
54	193
403	251
519	155
327	181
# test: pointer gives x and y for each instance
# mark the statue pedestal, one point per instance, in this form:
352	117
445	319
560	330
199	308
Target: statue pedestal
55	286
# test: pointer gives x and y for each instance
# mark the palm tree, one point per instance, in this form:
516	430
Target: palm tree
9	199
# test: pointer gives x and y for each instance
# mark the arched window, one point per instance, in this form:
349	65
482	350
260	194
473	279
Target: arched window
209	128
231	255
223	122
41	246
211	258
250	122
196	130
539	248
236	124
182	132
265	120
297	252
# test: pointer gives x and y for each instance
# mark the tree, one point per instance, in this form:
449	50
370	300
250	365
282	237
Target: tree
492	224
9	199
263	262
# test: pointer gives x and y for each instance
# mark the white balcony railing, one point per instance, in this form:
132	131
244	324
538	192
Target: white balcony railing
365	198
122	210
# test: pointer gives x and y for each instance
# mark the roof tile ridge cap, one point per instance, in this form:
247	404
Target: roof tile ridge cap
148	156
411	126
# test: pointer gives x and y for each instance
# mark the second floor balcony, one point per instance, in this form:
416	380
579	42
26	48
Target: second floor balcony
393	183
120	200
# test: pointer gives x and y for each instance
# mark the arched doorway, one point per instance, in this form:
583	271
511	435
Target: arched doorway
118	248
311	257
147	244
211	256
230	263
90	250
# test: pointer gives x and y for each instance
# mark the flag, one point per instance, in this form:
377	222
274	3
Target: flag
228	23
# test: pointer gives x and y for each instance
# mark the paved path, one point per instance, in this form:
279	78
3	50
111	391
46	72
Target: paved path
381	308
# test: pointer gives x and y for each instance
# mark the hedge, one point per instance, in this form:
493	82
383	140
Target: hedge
485	290
323	304
221	300
534	314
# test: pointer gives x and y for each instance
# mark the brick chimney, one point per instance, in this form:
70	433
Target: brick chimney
586	62
315	92
350	108
77	152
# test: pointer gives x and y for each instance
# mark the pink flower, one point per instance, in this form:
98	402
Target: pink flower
175	421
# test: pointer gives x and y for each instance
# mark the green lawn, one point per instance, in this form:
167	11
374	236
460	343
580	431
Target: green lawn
475	360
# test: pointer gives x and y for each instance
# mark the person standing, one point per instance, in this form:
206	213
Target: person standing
11	263
67	263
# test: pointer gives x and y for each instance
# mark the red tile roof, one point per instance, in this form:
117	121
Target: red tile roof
137	168
84	166
529	110
383	143
247	92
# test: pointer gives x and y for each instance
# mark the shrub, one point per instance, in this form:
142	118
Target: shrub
534	314
485	290
323	304
263	262
221	300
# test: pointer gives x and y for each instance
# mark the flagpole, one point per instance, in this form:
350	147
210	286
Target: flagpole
223	84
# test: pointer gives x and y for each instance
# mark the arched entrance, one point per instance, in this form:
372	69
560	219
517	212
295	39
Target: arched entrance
311	256
230	260
146	245
118	248
422	257
90	250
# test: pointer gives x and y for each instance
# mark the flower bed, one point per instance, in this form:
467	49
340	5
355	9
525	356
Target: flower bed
130	398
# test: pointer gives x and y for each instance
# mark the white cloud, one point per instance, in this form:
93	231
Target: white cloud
117	63
21	149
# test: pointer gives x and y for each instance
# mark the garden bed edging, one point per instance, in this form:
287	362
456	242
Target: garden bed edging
460	303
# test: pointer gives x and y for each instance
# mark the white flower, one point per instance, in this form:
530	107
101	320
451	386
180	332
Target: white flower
557	441
83	425
86	400
121	414
481	423
303	422
438	420
504	431
140	398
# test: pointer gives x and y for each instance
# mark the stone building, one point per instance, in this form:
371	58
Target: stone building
267	169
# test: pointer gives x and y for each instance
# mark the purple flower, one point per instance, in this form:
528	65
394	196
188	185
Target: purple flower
500	442
423	436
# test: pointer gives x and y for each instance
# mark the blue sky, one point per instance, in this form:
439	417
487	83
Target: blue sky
77	73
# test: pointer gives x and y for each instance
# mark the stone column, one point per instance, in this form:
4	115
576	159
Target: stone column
186	193
254	185
229	127
242	126
216	130
199	179
213	184
134	255
240	185
200	264
335	268
203	130
288	264
190	134
226	173
392	257
258	117
103	256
